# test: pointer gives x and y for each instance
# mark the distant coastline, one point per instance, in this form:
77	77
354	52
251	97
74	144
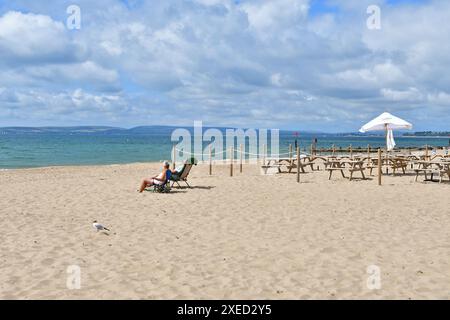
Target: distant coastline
433	134
167	129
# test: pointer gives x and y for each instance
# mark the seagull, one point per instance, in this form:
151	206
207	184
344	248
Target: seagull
97	226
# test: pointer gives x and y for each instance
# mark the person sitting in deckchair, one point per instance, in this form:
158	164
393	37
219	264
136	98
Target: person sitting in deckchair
156	180
178	169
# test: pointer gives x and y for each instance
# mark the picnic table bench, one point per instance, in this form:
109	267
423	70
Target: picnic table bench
304	162
289	163
270	166
340	165
398	163
439	168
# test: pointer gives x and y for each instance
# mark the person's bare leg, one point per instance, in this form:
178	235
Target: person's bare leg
144	184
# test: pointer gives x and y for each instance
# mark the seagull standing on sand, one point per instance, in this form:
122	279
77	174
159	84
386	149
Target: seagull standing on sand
97	226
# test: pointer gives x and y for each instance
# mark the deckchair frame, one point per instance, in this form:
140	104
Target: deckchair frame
182	176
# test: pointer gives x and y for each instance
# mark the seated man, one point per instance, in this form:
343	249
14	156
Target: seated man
156	180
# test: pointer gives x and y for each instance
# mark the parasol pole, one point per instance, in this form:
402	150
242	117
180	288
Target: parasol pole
386	135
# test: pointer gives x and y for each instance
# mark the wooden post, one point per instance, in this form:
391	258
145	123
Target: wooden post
351	151
210	160
298	165
426	153
368	154
174	151
240	164
379	166
264	154
290	154
231	161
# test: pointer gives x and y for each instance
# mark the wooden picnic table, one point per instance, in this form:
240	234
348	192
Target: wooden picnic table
275	163
279	162
335	165
290	163
433	167
398	163
357	166
304	162
389	162
342	164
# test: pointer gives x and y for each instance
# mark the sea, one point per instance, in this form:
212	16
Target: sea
41	148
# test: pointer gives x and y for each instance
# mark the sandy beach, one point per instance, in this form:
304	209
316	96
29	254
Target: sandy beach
244	237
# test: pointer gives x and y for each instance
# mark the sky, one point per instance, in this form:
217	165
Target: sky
287	64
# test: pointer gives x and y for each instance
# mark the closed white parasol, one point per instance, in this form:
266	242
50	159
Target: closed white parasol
390	142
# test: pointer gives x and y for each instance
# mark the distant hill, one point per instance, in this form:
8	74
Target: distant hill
136	130
359	134
397	133
50	130
169	129
428	134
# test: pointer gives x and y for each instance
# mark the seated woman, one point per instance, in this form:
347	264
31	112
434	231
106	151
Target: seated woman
177	171
156	180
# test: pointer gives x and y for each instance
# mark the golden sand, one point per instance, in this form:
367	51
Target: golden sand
245	237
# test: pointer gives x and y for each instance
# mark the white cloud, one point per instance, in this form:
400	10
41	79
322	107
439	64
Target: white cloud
440	98
377	76
251	63
7	96
271	16
31	38
411	95
86	71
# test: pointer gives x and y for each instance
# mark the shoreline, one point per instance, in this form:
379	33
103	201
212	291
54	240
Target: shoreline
73	166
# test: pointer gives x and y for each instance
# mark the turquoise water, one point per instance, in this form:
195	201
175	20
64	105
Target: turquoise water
42	149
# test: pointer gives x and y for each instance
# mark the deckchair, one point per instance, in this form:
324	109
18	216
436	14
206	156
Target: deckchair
183	174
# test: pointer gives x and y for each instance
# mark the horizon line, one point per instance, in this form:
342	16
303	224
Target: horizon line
208	127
